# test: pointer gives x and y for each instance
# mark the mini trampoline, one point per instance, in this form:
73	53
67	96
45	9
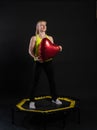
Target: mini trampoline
45	109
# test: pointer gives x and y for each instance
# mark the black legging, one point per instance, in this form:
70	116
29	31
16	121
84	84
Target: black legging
48	68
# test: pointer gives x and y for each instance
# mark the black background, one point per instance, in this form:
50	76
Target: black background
72	25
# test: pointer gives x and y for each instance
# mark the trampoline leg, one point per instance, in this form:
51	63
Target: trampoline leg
44	122
78	115
12	115
64	120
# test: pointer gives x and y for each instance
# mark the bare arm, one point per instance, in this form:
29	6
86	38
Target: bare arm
52	40
31	49
31	46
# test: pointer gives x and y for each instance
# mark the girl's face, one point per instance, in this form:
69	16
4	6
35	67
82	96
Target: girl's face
42	26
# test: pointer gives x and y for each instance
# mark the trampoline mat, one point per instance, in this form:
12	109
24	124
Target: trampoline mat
46	104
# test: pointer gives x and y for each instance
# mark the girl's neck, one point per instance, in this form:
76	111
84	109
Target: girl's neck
42	35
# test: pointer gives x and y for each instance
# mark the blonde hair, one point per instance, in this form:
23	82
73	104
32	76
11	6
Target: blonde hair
37	30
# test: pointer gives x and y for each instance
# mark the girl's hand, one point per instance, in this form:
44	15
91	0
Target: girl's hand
60	48
38	59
